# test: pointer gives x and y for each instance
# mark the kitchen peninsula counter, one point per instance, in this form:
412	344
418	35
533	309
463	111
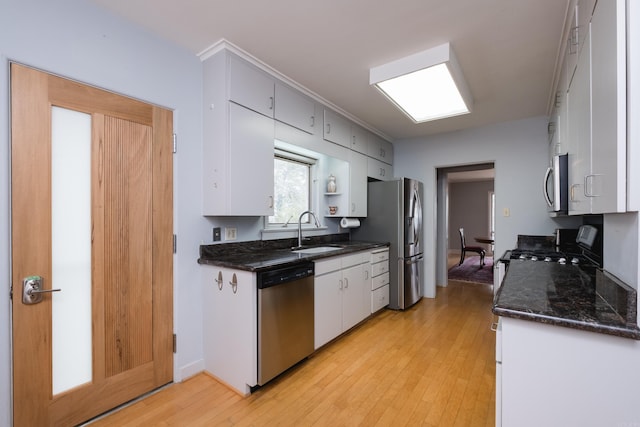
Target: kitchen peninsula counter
585	298
260	255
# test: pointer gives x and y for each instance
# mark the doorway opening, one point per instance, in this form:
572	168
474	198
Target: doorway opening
465	199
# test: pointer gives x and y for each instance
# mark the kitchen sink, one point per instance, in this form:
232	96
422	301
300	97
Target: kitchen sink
317	250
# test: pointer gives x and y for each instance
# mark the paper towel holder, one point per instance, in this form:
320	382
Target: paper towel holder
349	222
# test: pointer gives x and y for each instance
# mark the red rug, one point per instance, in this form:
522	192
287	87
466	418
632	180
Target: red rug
470	270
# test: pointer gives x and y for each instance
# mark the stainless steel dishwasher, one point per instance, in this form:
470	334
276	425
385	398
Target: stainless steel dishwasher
285	318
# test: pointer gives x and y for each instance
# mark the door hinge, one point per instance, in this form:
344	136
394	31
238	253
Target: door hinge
175	343
175	143
175	243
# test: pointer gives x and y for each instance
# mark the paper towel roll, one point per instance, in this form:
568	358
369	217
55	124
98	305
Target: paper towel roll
349	222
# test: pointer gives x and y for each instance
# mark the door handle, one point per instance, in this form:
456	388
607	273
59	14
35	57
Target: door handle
32	292
544	187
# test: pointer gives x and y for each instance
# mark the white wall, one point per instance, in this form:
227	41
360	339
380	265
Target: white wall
519	150
77	40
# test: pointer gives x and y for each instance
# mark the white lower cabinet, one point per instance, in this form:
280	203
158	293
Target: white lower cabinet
341	295
557	376
379	279
230	326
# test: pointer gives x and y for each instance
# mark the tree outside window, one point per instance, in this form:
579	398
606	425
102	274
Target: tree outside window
292	188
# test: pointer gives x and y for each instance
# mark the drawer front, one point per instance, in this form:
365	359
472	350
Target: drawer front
378	256
327	265
379	281
379	268
355	259
379	298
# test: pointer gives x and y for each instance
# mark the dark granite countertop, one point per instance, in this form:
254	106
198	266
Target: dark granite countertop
260	255
584	297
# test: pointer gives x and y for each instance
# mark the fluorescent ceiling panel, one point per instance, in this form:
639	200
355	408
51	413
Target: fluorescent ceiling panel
426	86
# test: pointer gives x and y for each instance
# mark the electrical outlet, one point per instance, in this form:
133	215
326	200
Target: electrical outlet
230	233
506	212
216	234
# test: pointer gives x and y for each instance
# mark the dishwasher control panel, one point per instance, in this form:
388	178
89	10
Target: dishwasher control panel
284	274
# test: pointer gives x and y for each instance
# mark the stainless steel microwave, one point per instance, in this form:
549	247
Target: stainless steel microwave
556	185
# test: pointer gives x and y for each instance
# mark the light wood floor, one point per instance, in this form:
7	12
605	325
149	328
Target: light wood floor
432	365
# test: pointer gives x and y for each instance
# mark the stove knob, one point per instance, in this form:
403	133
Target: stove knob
534	258
547	259
575	261
522	256
562	260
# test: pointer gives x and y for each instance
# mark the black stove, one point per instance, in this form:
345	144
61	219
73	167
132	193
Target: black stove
544	249
558	257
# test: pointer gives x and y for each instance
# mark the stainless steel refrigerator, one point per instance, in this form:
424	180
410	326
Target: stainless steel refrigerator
394	214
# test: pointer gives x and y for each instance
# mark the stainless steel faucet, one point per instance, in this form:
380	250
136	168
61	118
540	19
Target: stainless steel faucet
300	226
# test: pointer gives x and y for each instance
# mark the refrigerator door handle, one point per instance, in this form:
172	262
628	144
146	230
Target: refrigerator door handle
414	260
417	214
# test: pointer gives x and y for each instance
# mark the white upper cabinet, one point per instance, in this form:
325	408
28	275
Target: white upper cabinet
606	184
250	87
579	115
580	17
245	109
359	139
295	109
596	112
238	141
336	129
380	149
583	13
251	181
357	184
379	170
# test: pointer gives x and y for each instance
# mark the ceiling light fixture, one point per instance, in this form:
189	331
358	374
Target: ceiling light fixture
426	86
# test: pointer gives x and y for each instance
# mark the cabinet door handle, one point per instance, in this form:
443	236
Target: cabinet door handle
313	121
346	283
219	280
271	103
234	283
270	202
353	207
588	189
328	128
340	284
494	326
573	41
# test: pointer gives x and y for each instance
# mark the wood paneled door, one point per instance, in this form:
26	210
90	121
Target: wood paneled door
92	215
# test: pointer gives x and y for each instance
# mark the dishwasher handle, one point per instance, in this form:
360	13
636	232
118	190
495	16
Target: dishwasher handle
280	275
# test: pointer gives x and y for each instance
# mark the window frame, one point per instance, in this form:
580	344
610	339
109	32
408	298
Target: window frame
312	164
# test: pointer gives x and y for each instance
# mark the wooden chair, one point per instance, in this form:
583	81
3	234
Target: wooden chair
464	248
